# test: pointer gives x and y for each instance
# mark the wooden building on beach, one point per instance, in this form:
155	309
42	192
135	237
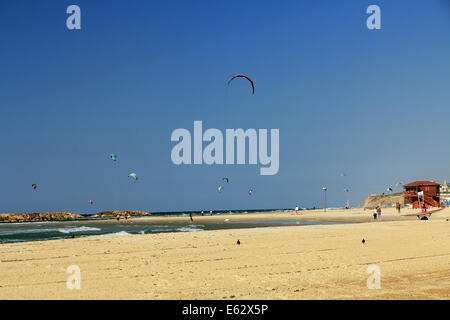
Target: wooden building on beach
431	195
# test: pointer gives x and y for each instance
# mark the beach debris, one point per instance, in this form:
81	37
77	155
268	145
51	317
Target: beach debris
226	179
113	157
363	241
134	176
243	76
34	186
219	189
250	192
238	242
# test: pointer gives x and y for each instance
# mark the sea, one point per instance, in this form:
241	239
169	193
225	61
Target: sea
50	230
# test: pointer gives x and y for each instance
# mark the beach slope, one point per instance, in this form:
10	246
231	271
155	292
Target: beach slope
304	262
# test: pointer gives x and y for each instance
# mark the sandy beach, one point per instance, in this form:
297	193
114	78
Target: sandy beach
304	262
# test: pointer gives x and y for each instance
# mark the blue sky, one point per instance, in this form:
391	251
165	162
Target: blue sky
371	103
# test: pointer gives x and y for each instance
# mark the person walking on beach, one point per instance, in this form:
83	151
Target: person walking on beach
210	212
118	217
375	213
190	216
296	209
379	213
398	207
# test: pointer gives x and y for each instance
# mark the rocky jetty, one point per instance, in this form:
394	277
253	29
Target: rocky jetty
122	213
43	216
383	200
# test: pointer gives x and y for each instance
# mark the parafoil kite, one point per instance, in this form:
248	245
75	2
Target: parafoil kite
91	202
343	174
113	157
346	190
219	189
226	179
34	186
389	189
134	176
243	76
250	192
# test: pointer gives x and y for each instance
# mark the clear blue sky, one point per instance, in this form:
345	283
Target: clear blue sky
372	104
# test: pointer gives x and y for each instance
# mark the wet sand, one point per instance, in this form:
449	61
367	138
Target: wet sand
295	262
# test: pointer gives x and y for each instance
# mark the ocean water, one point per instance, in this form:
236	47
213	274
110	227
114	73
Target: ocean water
37	231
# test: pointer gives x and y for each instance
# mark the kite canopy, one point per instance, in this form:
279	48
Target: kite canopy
250	192
34	186
343	174
219	189
389	189
134	176
243	76
113	157
91	202
226	179
346	190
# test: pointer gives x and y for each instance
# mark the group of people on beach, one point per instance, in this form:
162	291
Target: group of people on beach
202	213
127	217
377	213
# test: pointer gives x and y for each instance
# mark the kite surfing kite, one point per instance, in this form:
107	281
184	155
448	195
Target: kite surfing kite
219	189
389	189
243	76
346	190
113	157
226	179
134	176
34	186
343	174
91	202
250	192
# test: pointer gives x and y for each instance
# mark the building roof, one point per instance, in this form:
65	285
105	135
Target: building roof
422	183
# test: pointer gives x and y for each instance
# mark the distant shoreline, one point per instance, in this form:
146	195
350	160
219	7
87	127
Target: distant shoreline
310	215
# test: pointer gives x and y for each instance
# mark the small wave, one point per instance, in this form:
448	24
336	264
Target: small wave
25	231
77	229
47	230
120	233
187	229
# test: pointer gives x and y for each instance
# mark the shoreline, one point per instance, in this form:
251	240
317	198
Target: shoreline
307	262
